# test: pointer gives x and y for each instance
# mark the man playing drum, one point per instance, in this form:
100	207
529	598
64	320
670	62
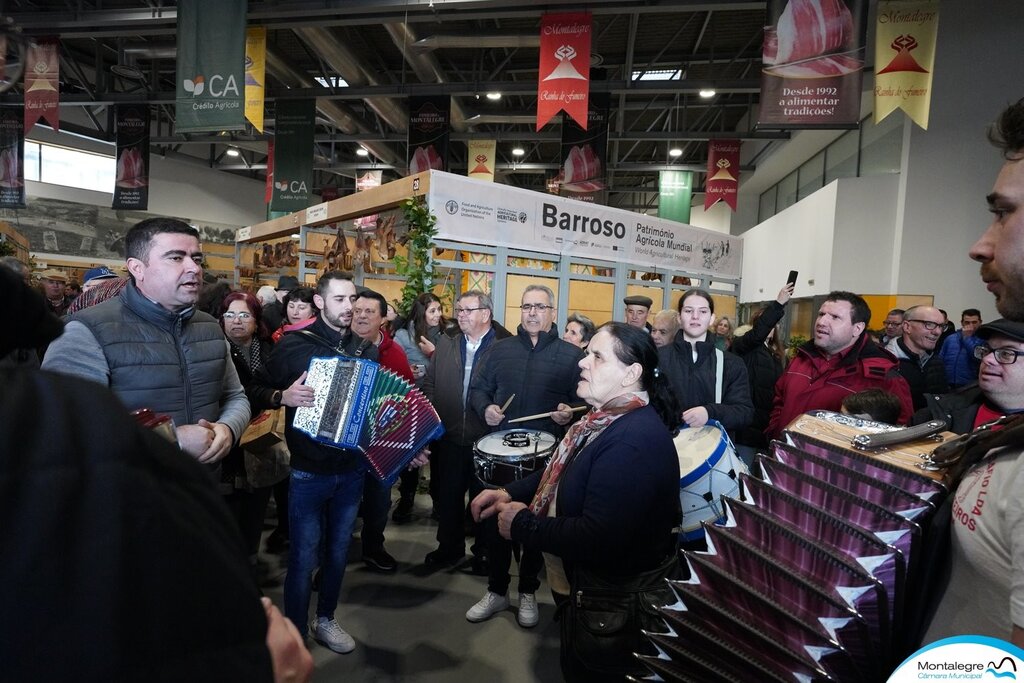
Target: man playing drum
532	372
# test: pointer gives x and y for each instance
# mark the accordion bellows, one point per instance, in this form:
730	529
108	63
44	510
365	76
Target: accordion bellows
363	407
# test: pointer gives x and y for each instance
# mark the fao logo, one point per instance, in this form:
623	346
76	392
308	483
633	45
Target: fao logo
451	206
522	216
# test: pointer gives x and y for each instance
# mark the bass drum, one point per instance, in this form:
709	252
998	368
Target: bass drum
709	468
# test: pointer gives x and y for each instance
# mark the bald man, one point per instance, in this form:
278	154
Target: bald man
915	348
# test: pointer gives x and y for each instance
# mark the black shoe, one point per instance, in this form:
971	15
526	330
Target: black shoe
403	511
443	558
380	560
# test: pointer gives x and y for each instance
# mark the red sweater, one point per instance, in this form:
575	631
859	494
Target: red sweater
392	357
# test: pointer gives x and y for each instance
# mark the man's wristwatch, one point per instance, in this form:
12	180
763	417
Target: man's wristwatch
275	398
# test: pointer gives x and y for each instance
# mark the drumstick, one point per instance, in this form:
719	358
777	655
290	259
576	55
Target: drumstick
540	415
507	403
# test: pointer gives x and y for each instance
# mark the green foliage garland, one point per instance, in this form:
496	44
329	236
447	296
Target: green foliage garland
417	268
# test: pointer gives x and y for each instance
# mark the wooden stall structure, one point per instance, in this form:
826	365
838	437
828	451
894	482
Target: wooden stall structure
499	239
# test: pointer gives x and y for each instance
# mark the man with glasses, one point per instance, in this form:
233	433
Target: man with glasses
530	373
446	384
893	326
915	350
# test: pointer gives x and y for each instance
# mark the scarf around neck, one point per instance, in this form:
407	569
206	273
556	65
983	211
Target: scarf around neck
590	426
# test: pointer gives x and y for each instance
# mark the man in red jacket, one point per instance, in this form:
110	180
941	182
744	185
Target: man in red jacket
839	361
368	313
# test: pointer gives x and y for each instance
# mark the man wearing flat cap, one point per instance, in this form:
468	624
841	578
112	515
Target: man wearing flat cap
637	308
53	282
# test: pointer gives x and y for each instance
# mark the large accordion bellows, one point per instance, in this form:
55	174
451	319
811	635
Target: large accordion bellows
361	406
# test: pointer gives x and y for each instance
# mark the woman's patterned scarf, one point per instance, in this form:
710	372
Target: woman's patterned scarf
592	424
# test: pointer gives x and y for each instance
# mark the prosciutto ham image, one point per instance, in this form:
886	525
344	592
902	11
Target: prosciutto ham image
131	170
808	29
581	171
9	168
424	159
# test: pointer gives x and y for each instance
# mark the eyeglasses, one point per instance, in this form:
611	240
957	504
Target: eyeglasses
460	311
1004	356
231	315
928	324
893	323
526	308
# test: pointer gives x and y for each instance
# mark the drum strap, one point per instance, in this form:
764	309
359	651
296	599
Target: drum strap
719	372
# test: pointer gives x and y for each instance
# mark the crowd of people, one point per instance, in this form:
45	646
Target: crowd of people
603	507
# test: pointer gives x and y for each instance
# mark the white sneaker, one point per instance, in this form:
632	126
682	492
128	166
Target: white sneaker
528	616
489	605
327	632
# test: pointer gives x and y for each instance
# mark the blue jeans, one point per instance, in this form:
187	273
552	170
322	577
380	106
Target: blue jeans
315	500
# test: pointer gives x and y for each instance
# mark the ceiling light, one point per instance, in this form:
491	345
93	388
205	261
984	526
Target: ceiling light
233	152
296	237
518	151
706	93
674	152
494	96
363	152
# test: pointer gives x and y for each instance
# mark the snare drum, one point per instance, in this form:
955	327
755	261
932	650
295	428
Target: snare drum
505	456
709	468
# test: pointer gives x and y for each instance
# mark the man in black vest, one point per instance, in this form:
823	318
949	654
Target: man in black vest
144	342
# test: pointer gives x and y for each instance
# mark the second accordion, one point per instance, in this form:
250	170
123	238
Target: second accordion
363	407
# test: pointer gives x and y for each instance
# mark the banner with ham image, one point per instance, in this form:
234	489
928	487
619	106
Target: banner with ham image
584	152
12	158
905	58
813	64
429	124
131	184
723	173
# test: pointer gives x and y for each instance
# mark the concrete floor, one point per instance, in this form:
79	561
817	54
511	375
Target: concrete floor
411	626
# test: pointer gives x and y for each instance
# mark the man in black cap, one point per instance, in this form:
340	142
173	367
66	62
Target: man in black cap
637	308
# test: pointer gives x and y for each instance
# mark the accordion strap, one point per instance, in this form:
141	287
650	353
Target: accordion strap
339	349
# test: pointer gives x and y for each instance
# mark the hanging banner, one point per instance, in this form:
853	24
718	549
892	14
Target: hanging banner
294	121
429	124
583	174
12	158
211	66
723	173
481	159
675	193
268	193
131	185
813	63
42	80
366	181
905	58
255	74
564	71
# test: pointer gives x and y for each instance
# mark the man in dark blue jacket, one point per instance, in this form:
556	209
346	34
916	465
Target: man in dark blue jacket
533	372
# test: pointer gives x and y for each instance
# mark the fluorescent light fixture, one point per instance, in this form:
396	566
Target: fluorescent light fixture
494	96
233	152
296	236
706	93
674	152
518	151
363	152
658	75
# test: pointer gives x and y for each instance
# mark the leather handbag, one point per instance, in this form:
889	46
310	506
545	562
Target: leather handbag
605	614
